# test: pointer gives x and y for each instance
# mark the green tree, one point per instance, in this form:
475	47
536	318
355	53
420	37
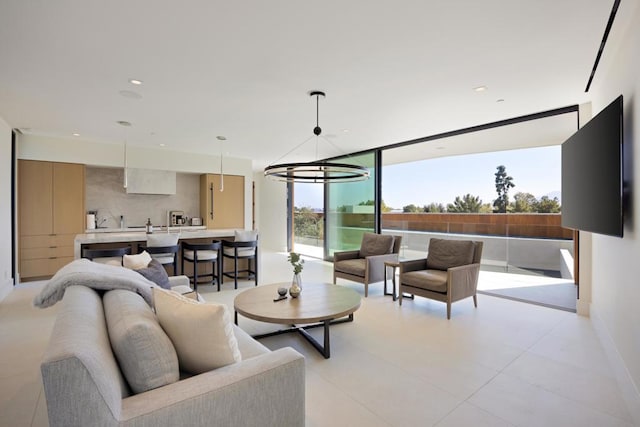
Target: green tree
383	205
486	208
503	183
411	209
434	207
524	202
467	204
547	205
307	223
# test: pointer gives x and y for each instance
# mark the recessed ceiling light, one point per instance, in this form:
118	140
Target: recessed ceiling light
480	88
76	134
439	148
221	138
345	130
162	145
135	82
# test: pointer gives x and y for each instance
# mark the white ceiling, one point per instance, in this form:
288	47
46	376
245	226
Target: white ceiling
392	70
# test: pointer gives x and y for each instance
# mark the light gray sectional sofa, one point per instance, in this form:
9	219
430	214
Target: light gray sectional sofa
84	385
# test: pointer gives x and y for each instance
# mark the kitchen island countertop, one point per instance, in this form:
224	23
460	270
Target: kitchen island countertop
141	236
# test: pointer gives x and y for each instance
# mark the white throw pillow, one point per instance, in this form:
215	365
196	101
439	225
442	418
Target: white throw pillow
202	333
136	262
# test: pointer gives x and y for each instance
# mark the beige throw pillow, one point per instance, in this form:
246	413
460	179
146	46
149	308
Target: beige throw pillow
136	262
202	333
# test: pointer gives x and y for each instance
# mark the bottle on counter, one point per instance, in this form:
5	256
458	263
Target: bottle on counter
149	226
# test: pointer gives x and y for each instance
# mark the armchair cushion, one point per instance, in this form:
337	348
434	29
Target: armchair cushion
444	254
351	266
431	280
375	244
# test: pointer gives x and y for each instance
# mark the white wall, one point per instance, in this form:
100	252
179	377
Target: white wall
615	293
6	281
35	147
271	213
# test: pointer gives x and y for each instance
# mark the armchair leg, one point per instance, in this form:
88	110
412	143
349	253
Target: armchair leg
366	290
475	300
449	311
400	297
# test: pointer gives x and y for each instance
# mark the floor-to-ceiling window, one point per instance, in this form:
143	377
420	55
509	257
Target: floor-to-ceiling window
493	185
351	209
308	219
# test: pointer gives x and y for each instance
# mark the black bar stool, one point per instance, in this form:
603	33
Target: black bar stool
201	253
238	251
103	256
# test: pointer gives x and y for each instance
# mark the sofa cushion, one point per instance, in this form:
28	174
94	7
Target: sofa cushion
156	273
136	262
444	254
375	244
145	354
432	280
202	333
351	266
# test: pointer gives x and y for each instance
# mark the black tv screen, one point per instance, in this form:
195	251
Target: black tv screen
592	174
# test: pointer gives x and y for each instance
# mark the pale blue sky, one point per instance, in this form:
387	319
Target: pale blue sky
534	170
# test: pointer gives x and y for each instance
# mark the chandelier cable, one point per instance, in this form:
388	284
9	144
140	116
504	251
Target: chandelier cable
317	171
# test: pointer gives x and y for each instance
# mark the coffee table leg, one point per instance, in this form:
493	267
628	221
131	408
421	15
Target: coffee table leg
324	350
327	347
235	317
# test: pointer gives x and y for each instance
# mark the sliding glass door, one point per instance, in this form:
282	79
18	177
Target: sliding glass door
350	208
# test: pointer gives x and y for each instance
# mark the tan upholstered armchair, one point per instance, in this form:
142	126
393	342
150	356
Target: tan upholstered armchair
448	274
367	264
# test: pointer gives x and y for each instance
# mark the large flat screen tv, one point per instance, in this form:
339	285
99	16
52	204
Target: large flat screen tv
592	175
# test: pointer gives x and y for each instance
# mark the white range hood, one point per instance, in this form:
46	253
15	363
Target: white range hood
150	181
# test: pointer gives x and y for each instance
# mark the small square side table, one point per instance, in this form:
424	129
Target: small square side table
393	265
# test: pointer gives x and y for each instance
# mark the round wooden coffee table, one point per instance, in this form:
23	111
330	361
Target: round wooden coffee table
319	304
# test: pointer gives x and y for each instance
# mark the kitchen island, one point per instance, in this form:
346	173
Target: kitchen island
82	240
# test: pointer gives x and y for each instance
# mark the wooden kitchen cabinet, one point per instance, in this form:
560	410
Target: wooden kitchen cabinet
50	214
222	209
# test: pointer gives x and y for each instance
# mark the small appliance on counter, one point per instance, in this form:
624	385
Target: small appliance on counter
196	221
91	220
177	218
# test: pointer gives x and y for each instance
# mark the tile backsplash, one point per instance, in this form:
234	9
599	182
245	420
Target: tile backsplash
106	194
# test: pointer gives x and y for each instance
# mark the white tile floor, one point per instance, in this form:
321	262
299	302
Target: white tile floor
503	364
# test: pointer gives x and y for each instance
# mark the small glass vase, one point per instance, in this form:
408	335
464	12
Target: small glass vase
296	285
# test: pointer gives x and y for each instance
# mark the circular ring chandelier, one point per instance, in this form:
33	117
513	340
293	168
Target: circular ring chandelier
320	171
